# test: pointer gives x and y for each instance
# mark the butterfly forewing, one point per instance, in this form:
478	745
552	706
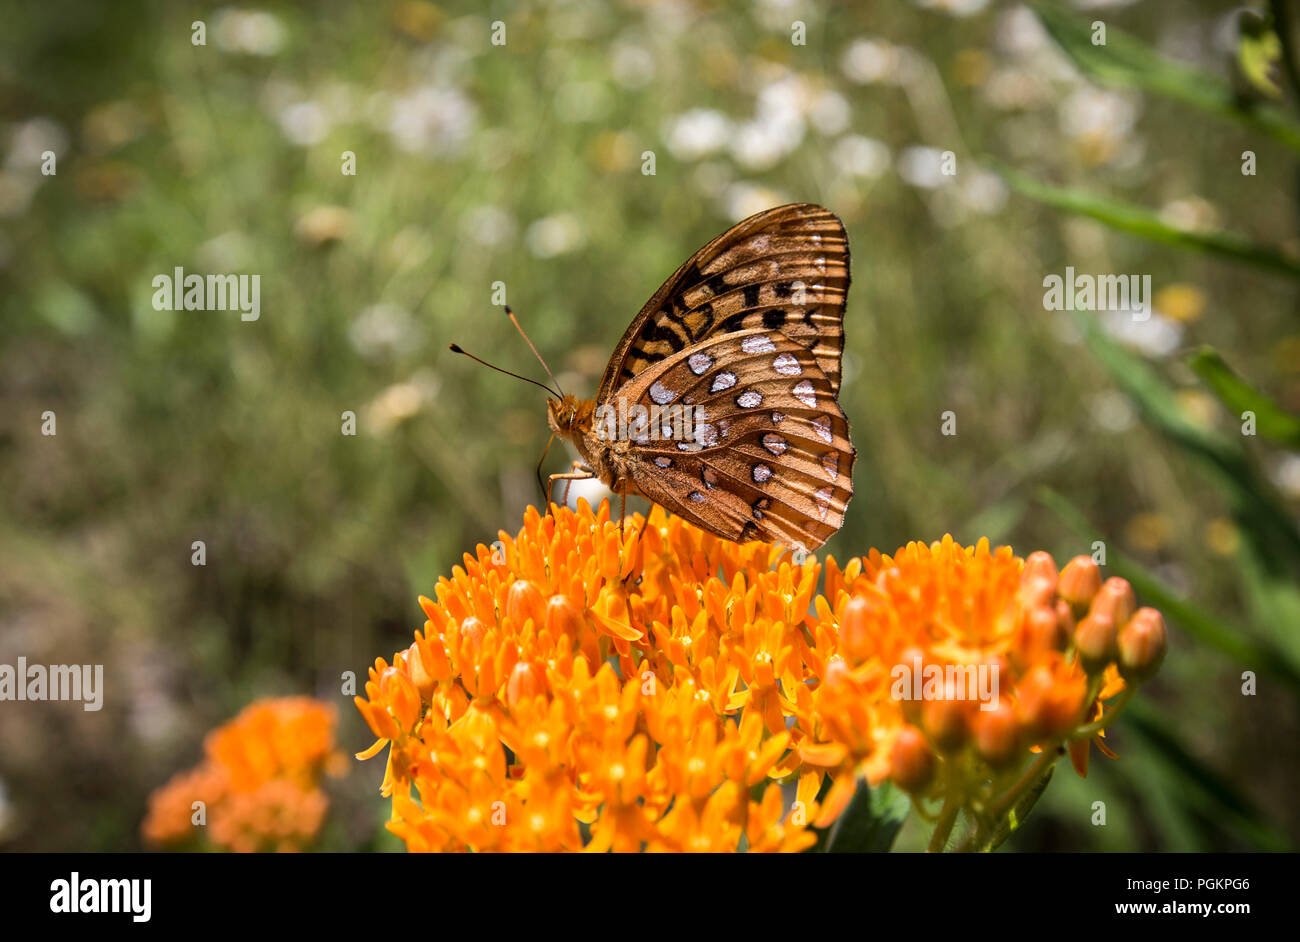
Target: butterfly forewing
784	270
768	453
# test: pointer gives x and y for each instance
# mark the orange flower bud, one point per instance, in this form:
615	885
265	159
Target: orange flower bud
1079	583
837	672
914	660
524	684
1065	622
564	617
420	676
997	734
401	697
1040	632
1115	599
855	629
1048	705
473	630
1142	645
945	720
1040	565
1094	639
911	761
1039	578
524	601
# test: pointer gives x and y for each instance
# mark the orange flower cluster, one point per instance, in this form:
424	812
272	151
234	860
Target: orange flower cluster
678	692
259	784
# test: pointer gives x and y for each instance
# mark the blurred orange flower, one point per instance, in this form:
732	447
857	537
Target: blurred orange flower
259	785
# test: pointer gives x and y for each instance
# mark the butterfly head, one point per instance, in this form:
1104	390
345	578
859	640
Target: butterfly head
569	416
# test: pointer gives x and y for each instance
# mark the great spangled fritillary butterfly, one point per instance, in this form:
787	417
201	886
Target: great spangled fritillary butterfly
730	377
747	335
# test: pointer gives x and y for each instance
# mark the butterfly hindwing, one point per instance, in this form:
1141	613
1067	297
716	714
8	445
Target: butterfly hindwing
784	270
768	454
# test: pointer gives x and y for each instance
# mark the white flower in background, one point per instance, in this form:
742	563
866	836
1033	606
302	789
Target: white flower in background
778	14
1019	33
32	138
954	7
487	225
860	156
399	402
742	200
228	252
22	176
251	32
632	65
304	123
866	61
698	133
592	490
382	329
923	167
1095	112
1155	335
1287	475
1020	36
432	120
983	191
554	235
1191	214
1112	411
830	113
757	145
1016	89
778	126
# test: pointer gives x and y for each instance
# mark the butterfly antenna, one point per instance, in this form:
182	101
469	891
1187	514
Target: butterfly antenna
513	320
455	349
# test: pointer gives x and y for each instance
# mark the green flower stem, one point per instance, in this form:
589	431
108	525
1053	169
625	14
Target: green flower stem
947	818
1092	729
1036	770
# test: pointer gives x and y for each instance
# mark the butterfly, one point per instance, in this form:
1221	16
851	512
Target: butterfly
720	402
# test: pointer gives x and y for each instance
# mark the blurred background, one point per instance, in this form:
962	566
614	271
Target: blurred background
523	163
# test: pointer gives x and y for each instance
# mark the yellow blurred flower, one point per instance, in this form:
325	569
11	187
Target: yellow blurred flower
1222	536
1148	531
1180	301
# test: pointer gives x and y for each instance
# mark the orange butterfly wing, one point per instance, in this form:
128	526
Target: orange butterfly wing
785	269
769	455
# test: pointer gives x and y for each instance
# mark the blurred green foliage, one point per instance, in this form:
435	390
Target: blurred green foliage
523	164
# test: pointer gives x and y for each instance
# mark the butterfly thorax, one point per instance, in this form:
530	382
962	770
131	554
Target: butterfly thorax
611	461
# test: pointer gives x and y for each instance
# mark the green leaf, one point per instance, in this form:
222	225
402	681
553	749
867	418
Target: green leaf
1206	627
1257	57
1258	511
1271	420
871	821
1015	817
1142	222
1128	62
1203	787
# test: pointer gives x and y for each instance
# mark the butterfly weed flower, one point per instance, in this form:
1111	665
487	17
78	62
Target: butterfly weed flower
259	783
673	691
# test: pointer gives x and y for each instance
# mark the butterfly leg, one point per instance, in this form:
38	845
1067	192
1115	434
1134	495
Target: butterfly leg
579	472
